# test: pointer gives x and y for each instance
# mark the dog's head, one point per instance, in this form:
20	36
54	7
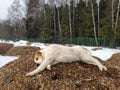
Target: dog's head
38	57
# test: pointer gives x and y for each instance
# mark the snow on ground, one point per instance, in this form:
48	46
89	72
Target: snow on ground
102	53
21	43
16	43
6	59
40	45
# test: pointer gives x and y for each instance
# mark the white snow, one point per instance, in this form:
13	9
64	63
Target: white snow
6	59
102	53
16	43
21	43
40	45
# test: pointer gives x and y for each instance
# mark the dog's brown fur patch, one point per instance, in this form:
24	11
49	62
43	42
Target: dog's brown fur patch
37	55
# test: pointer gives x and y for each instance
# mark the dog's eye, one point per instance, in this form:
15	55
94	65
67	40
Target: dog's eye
36	58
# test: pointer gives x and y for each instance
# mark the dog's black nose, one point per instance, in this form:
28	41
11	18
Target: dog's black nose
38	65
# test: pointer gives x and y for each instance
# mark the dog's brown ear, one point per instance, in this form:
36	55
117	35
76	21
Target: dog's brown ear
38	53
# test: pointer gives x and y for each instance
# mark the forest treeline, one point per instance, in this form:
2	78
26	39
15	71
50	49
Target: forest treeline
51	19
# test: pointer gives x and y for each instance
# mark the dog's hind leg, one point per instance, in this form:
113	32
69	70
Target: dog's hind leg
91	60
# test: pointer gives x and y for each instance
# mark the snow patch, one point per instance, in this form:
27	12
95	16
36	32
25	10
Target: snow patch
104	53
6	59
40	45
21	43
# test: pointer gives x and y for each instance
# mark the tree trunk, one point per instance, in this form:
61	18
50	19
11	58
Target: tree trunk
73	18
117	15
59	24
98	19
70	24
54	22
45	16
112	14
15	32
94	23
112	39
86	2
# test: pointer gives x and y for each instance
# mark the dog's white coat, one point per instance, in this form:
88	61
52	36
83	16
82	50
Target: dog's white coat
55	53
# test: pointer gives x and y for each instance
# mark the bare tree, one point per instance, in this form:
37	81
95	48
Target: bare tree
112	14
70	26
94	22
59	24
15	16
56	4
34	7
73	16
98	5
5	29
55	22
117	15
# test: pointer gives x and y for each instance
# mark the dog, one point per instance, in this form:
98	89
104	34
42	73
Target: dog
56	53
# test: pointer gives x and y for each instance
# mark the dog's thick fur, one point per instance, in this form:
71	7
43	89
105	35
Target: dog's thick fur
55	53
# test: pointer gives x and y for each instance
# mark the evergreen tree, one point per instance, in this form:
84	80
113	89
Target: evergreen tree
50	19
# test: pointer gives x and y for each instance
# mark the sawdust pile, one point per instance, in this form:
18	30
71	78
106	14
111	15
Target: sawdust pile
5	47
21	50
71	76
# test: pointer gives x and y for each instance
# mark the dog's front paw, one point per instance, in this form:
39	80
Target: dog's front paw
30	74
49	67
103	68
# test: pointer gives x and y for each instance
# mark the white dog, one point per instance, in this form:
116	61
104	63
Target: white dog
54	54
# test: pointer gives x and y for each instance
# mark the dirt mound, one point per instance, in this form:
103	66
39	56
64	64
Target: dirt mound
21	50
114	61
72	76
5	47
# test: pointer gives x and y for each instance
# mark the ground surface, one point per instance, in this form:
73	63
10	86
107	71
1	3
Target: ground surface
72	76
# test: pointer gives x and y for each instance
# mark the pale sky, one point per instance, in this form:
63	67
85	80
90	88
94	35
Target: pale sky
4	5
